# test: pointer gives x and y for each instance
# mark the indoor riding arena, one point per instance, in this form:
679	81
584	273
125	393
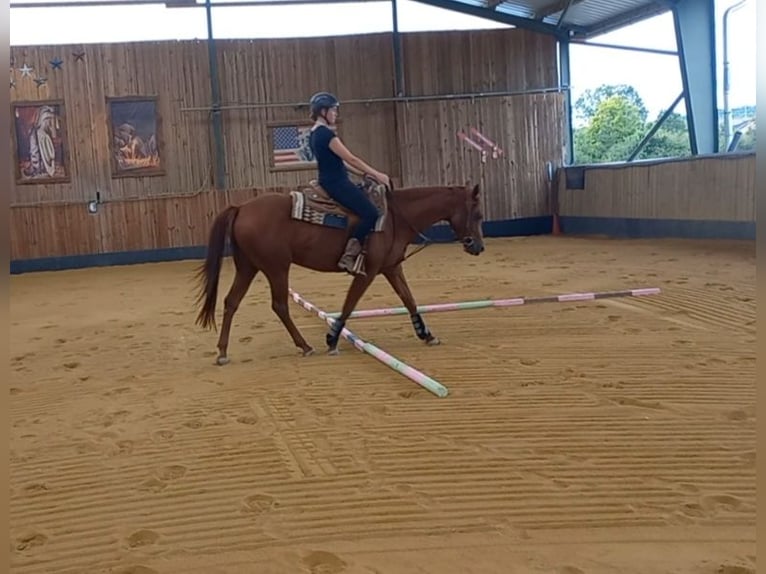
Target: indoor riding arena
590	408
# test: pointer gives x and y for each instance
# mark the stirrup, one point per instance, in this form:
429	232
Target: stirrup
357	266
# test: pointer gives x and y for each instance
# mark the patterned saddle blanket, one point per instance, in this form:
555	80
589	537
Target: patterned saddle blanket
313	205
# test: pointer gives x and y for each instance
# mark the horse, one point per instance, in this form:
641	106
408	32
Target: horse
305	227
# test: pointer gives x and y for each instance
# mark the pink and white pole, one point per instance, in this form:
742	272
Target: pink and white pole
516	301
411	373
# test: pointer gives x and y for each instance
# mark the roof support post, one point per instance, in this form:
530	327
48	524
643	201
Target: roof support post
695	36
397	46
564	84
215	90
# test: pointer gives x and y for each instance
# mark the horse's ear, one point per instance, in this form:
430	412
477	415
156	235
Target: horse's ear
475	191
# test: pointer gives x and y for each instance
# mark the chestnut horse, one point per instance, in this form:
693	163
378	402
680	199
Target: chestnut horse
266	236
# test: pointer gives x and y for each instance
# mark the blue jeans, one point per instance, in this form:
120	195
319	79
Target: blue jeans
353	198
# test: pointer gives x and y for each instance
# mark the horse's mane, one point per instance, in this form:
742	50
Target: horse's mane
424	189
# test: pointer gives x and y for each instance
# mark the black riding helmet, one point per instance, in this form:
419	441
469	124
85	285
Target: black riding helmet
320	101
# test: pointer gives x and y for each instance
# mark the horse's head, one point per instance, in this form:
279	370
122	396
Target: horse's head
466	219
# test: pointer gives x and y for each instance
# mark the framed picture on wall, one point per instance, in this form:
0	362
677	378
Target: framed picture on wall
288	145
40	145
135	136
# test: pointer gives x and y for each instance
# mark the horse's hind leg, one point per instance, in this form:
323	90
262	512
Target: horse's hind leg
279	295
395	277
242	280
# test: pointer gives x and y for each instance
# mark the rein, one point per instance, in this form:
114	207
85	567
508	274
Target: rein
393	204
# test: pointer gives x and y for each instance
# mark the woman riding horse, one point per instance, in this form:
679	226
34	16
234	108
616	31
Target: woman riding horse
333	162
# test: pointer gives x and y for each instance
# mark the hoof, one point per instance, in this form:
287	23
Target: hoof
308	352
433	342
221	361
333	351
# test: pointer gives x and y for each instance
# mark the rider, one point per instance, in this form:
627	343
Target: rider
334	160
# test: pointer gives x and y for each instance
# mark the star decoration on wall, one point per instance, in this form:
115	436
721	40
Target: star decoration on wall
78	56
40	81
56	63
26	70
13	83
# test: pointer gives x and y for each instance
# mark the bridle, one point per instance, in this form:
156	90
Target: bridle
467	241
395	208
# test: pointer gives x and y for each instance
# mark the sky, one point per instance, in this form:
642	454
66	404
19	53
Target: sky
656	77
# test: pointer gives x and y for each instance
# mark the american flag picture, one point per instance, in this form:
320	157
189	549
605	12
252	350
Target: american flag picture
291	145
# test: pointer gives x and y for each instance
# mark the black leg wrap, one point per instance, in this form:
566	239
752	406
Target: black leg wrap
420	327
333	335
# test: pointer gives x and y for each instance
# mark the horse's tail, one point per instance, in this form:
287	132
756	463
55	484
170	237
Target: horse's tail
210	270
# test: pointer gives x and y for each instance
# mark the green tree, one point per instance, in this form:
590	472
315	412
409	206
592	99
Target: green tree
587	104
615	129
671	140
748	141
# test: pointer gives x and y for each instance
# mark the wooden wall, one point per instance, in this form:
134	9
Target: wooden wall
414	142
174	71
705	188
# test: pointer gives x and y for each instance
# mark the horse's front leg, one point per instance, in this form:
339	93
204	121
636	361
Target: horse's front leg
395	277
358	287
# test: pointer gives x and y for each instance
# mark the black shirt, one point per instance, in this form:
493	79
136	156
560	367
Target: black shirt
331	166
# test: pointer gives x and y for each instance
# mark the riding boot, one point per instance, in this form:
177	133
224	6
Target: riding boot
348	260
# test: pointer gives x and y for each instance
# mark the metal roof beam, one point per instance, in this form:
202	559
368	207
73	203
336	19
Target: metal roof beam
563	16
623	19
619	47
498	16
554	8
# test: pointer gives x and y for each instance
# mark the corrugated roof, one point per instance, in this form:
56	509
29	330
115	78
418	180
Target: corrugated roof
574	18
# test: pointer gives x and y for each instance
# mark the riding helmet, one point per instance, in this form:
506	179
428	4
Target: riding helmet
322	100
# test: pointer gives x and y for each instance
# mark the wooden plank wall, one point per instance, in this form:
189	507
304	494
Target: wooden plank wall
526	128
176	71
712	188
415	143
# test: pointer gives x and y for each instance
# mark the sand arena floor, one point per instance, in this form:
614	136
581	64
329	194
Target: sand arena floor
612	436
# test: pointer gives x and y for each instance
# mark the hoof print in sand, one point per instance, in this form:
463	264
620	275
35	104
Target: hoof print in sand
321	562
153	485
247	420
570	570
724	502
259	503
139	569
30	540
734	569
171	472
693	510
162	477
122	447
737	415
142	537
35	488
163	435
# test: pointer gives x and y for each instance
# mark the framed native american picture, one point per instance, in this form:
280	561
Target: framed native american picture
288	145
135	142
40	142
